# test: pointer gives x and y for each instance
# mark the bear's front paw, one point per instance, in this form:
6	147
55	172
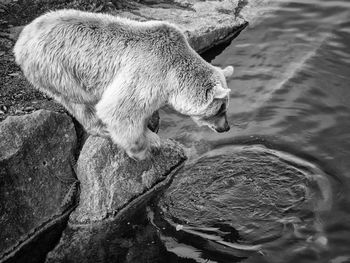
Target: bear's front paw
153	140
139	150
143	149
138	155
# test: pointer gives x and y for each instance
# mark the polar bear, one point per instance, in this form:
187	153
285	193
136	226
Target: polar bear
112	73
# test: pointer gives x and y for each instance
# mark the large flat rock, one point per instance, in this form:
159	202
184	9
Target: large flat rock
36	179
110	180
206	23
113	189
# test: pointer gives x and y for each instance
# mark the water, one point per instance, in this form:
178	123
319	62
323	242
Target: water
290	91
245	201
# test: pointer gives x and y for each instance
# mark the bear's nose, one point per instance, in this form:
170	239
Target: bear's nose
223	128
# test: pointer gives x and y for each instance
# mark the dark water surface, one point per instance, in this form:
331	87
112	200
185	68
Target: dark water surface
290	91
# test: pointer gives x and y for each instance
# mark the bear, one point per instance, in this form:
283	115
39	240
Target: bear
112	73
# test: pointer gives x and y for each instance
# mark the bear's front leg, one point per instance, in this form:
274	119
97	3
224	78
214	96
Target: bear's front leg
132	136
137	147
138	150
125	115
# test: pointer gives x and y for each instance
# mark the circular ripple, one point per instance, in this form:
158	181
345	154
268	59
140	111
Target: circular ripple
244	198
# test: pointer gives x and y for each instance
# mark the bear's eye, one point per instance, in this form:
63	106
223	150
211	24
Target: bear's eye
207	93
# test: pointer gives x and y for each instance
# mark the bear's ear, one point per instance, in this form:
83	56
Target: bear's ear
228	71
221	93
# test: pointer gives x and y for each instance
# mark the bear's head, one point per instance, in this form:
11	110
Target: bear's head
205	97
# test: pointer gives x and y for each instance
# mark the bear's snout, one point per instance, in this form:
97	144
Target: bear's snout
221	125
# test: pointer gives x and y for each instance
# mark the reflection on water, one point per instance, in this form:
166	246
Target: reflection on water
290	88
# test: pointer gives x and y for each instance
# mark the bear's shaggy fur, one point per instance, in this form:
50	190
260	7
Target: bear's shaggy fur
112	73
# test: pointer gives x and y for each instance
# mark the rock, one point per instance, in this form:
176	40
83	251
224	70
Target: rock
206	23
245	195
13	32
37	183
132	241
113	189
110	180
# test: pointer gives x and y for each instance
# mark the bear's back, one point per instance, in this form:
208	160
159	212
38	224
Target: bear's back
74	30
79	53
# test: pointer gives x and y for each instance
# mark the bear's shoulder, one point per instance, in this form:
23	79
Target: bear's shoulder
163	29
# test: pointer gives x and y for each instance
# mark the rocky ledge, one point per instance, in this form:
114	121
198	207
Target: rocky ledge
38	186
113	189
110	180
206	23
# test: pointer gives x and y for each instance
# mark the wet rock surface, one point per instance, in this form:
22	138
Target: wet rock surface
110	179
243	198
134	241
113	189
37	183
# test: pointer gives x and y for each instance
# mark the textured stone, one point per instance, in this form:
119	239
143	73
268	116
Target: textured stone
110	179
132	241
114	189
37	182
206	23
